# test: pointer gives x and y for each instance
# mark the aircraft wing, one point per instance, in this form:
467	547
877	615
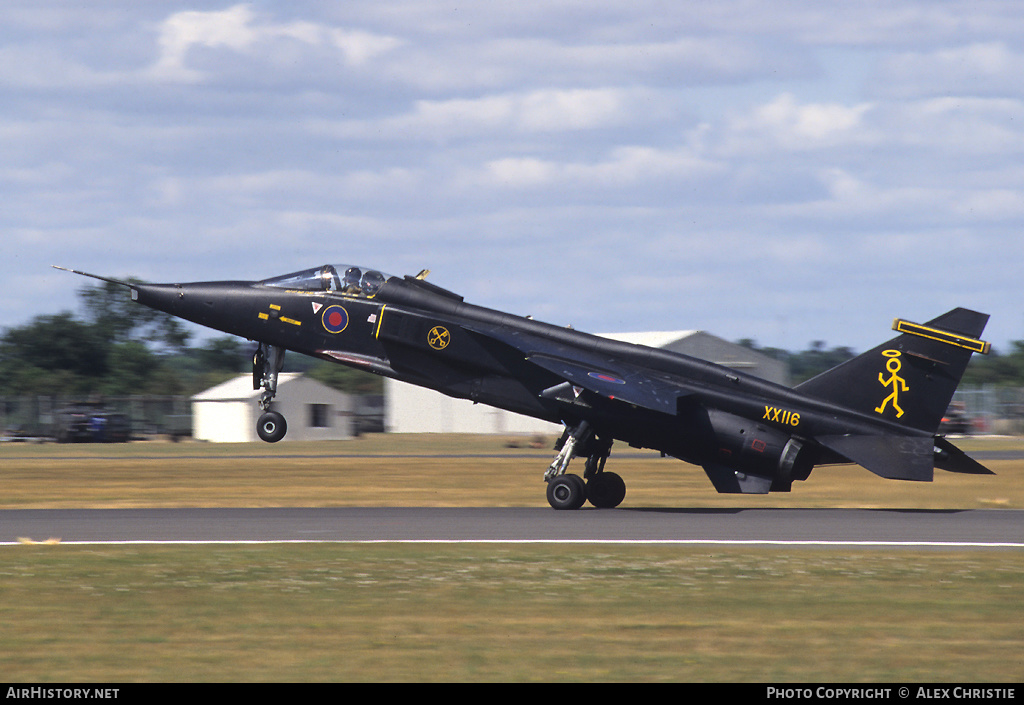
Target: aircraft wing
596	372
621	381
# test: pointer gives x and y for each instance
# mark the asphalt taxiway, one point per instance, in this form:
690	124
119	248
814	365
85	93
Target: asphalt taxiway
969	529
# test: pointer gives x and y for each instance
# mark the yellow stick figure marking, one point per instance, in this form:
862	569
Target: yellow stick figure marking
897	383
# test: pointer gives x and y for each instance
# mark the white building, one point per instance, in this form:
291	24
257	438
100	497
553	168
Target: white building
228	412
412	409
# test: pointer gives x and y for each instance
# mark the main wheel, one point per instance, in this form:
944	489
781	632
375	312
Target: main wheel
567	492
606	490
271	427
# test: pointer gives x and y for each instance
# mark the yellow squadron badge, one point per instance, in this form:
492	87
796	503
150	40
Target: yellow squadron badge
438	338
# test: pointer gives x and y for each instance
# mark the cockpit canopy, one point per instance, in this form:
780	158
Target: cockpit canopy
339	278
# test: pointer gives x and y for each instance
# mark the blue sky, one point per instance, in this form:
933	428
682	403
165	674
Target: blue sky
786	171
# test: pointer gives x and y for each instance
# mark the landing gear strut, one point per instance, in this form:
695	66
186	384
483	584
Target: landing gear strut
266	363
604	490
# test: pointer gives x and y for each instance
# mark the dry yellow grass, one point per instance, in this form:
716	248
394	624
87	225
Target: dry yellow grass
431	470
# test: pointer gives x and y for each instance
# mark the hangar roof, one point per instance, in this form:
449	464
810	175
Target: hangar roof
652	339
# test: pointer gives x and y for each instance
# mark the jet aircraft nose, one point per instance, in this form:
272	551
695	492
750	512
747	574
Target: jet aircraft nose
168	298
228	306
219	305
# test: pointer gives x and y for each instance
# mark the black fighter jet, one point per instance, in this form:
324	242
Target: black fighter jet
880	410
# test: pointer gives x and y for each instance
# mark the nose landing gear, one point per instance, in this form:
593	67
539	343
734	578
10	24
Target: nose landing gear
266	363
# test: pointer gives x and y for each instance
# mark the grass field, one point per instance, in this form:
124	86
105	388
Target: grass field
348	613
487	613
434	470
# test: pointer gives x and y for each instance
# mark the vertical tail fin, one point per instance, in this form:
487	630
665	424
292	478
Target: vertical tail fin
910	379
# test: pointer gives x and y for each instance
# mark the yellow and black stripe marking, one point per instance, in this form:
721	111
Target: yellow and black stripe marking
943	336
275	313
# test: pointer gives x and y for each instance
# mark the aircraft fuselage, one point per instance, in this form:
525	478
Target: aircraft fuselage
880	410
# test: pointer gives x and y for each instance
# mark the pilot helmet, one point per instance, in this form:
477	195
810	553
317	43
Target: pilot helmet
352	277
372	282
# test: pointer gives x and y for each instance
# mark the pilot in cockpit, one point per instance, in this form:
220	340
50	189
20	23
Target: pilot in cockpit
372	282
351	283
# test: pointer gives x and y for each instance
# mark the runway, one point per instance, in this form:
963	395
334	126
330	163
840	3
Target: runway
952	529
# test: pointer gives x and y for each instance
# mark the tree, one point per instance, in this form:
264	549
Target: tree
52	355
804	365
110	310
224	354
118	348
346	379
997	369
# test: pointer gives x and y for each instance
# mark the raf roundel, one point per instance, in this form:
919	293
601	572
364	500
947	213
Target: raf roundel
335	319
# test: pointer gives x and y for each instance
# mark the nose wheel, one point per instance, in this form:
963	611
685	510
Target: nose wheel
271	427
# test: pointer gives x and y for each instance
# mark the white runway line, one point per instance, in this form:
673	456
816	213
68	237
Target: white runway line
596	542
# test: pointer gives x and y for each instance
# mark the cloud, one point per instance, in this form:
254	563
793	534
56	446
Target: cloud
499	116
978	69
531	112
956	125
240	31
469	62
25	66
622	167
740	159
786	124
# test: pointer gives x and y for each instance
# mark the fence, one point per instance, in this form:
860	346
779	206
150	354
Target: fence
989	410
48	416
993	409
69	418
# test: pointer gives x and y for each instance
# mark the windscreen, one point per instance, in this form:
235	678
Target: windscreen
340	278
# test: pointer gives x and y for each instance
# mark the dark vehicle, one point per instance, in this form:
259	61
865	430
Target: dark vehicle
880	410
85	423
956	421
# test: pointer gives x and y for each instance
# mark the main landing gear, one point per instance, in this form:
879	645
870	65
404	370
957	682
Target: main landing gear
604	490
266	363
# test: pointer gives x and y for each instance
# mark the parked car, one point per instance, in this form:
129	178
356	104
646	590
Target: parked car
956	420
90	424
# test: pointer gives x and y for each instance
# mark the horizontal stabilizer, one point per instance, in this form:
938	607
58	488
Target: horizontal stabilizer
891	457
952	459
729	481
